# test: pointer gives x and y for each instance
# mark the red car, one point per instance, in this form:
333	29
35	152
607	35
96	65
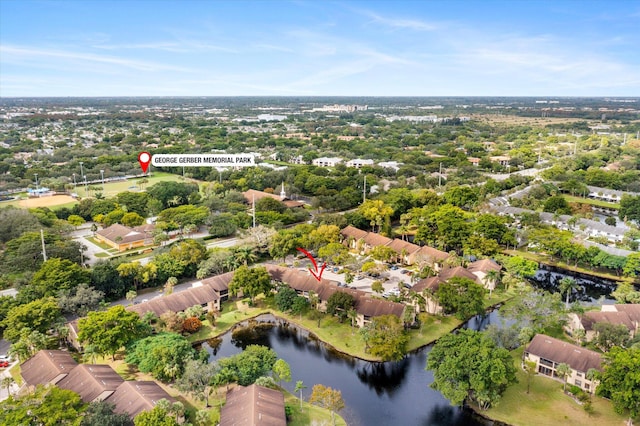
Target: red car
4	364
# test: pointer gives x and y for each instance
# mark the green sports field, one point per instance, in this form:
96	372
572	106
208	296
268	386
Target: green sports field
135	185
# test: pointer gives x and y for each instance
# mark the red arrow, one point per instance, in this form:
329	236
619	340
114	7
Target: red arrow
317	275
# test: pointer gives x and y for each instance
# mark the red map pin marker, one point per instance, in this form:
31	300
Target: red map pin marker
144	158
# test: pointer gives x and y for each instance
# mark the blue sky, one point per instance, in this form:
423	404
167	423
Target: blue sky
376	48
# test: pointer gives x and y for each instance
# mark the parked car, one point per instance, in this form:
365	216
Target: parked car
5	358
4	364
394	267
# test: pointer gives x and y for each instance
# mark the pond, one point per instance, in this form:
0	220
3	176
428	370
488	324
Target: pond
390	393
590	289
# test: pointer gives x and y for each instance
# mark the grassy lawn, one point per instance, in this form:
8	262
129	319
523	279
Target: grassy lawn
103	246
232	313
113	188
15	373
597	203
547	261
546	404
311	414
431	329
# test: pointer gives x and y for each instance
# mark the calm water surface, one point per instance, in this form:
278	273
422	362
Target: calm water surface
376	394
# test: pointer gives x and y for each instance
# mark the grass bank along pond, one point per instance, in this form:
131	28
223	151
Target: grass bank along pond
375	393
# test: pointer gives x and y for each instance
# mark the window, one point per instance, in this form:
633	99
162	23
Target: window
578	374
586	386
578	382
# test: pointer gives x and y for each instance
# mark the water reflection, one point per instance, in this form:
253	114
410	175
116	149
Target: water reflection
390	393
590	290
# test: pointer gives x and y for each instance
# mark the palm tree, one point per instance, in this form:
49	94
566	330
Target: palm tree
7	382
174	201
352	314
168	287
563	371
245	255
567	285
592	374
530	369
492	278
299	386
90	354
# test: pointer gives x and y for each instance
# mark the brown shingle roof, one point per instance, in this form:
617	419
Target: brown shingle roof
433	253
632	309
375	240
590	319
458	271
398	246
124	234
375	307
484	265
132	397
253	406
47	366
579	359
218	282
92	381
432	283
353	232
176	302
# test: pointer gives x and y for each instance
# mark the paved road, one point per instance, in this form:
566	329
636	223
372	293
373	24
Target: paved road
14	387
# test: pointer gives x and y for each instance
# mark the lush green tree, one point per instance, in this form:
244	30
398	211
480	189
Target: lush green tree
610	335
625	293
632	265
172	193
629	208
385	337
300	306
132	219
158	416
327	398
24	253
105	278
383	253
29	343
504	337
335	253
377	287
247	366
221	225
101	414
268	204
283	244
214	264
451	226
530	368
281	371
521	267
323	235
197	379
376	212
134	202
468	366
162	355
536	309
38	315
55	275
462	297
464	197
556	204
14	222
75	220
185	215
47	406
285	297
108	331
339	304
618	384
250	281
80	300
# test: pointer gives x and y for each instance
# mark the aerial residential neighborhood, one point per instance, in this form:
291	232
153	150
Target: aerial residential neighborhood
312	213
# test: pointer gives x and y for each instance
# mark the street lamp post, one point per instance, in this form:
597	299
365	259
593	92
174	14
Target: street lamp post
74	181
102	175
81	169
86	187
36	175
